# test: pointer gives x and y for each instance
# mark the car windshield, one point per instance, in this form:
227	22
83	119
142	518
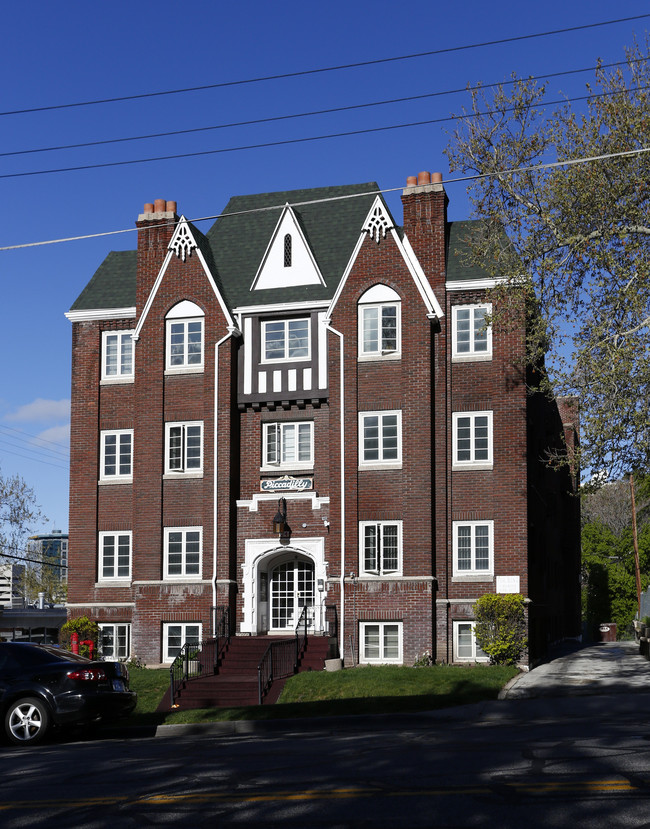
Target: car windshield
41	655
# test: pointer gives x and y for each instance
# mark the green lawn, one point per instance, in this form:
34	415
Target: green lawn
366	690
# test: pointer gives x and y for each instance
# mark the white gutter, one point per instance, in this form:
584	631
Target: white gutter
232	332
342	428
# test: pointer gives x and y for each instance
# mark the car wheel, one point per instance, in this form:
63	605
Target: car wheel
27	721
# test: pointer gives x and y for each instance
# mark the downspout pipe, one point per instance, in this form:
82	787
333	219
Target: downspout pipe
328	327
232	332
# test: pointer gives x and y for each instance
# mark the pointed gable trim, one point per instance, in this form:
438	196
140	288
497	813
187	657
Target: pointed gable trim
288	260
181	243
375	221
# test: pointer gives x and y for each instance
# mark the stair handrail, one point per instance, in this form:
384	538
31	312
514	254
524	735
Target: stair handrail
197	659
281	659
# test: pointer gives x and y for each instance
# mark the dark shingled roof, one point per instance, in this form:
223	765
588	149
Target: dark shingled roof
331	229
112	285
234	247
460	262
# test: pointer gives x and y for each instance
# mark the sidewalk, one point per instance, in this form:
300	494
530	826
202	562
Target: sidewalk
603	668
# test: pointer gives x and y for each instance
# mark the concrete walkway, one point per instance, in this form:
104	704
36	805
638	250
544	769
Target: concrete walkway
604	668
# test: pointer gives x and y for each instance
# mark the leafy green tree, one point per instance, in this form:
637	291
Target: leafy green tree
578	241
500	627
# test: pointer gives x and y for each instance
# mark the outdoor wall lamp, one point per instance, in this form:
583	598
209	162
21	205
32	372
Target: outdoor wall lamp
280	520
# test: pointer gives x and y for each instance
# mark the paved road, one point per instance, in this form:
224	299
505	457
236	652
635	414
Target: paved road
550	761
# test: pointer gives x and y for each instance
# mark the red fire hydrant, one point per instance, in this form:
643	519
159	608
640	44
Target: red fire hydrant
74	643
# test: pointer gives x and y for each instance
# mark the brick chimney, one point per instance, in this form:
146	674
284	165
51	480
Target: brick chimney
425	219
156	225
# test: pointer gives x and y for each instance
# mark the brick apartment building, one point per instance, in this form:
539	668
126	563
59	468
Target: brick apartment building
309	357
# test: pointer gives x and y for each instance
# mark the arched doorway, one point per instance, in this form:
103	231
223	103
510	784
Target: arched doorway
291	585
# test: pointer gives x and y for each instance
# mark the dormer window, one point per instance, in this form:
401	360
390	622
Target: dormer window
380	324
287	250
184	338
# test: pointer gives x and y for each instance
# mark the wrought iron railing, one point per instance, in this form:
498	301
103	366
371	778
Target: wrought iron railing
197	659
281	659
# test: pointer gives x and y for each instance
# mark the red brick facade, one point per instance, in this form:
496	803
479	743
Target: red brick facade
394	616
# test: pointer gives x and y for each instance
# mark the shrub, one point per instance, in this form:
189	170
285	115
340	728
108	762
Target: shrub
85	628
500	627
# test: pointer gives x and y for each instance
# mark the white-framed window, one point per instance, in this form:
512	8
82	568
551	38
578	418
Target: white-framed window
380	642
288	444
117	356
286	340
473	548
116	455
380	546
183	552
472	336
380	438
465	647
184	448
177	634
115	640
472	440
115	556
184	332
380	330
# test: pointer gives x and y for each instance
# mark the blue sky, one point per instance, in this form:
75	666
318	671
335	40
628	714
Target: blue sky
71	52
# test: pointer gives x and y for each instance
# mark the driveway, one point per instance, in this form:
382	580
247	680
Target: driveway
604	668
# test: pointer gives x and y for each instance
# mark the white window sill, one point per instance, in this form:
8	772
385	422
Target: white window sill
397	576
184	370
376	358
114	582
182	579
472	577
286	470
181	476
285	361
378	465
469	465
117	381
471	358
127	479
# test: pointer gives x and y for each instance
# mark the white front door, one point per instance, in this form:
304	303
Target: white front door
292	588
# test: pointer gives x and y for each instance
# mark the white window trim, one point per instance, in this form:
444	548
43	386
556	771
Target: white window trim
100	574
182	473
472	463
362	557
117	477
183	575
286	359
371	356
473	574
268	466
381	660
167	660
103	626
185	368
475	648
471	355
393	463
120	377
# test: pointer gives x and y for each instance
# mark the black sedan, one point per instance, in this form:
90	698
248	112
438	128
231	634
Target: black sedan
42	686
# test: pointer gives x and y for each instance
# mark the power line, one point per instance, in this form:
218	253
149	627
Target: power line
456	180
311	113
320	70
287	141
37	437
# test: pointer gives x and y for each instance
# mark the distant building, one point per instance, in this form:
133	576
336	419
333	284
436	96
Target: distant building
11	585
52	548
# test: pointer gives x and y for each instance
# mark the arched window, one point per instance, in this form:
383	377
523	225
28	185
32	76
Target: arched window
287	250
379	323
185	337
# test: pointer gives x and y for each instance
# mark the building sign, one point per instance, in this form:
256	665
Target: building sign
287	484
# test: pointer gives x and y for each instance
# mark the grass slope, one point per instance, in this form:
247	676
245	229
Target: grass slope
378	689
